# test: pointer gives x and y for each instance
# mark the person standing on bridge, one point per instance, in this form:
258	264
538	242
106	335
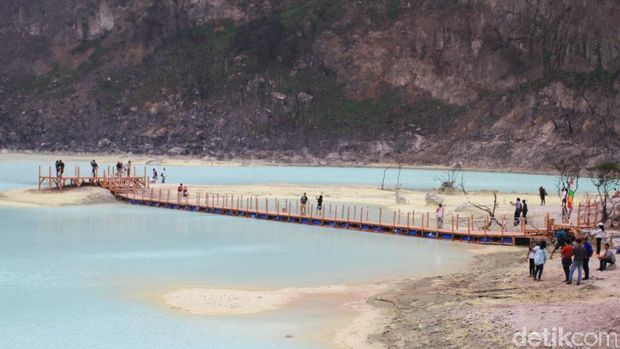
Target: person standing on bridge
179	191
129	168
154	176
95	167
163	176
518	211
303	201
62	167
57	165
524	211
319	202
119	169
439	213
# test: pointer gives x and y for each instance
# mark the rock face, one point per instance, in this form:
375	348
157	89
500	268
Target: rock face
502	83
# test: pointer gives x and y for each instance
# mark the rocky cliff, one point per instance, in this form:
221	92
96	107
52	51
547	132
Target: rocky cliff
484	83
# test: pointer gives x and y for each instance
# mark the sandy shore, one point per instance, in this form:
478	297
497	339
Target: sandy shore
484	306
70	197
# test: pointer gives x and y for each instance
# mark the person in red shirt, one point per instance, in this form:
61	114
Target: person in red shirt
567	259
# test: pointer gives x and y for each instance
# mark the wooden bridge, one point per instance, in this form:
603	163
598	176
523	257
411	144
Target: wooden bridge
136	190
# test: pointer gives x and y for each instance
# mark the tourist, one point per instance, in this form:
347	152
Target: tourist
185	193
518	208
154	176
607	257
439	213
600	235
586	262
567	260
119	169
543	193
540	257
95	167
62	167
319	202
57	165
179	191
530	256
561	239
579	256
129	168
163	176
524	212
303	201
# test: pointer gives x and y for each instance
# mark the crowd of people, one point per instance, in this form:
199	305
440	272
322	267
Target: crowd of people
576	252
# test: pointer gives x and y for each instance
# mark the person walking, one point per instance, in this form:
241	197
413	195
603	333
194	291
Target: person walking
439	213
57	165
524	211
163	176
530	256
319	202
303	201
600	235
540	257
567	260
579	256
586	262
543	194
518	209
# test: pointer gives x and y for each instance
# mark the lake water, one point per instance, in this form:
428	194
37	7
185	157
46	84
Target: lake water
90	277
23	173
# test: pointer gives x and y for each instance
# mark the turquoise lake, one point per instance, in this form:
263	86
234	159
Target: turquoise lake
85	277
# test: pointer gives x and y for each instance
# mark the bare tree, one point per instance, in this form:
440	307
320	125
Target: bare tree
489	210
605	177
383	180
448	179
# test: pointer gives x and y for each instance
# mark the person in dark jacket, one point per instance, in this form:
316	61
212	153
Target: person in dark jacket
586	262
524	210
543	193
579	256
567	259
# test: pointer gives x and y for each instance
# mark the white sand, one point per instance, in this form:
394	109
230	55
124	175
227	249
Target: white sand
220	301
69	197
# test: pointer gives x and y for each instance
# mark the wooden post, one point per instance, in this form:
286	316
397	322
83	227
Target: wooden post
413	218
579	215
256	198
336	215
323	216
267	206
168	198
457	221
50	178
394	220
469	225
452	223
380	214
39	177
354	213
366	214
348	221
407	221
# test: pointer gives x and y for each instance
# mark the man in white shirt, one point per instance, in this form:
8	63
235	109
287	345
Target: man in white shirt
439	213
